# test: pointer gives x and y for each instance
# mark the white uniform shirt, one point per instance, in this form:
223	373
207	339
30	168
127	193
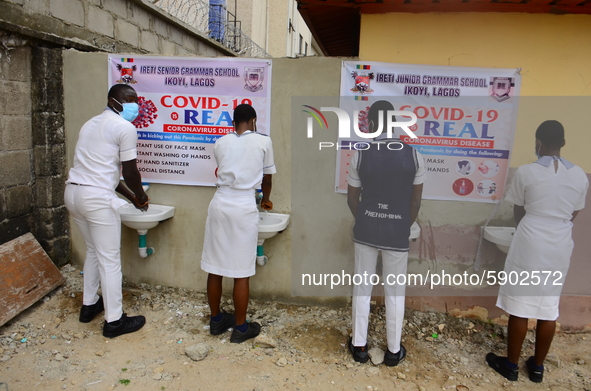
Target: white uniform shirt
243	159
104	142
549	193
353	177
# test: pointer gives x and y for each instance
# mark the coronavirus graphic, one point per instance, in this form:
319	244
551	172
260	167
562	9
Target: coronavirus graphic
363	121
147	113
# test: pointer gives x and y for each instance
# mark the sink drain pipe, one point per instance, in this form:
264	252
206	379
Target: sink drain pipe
262	259
142	247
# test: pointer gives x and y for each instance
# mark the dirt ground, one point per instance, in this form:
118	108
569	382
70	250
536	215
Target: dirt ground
303	348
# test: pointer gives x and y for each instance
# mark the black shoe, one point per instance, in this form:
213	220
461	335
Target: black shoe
88	312
359	353
534	375
253	330
393	359
217	328
499	364
126	324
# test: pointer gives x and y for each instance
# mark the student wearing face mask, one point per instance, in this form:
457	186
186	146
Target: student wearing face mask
547	195
245	163
106	146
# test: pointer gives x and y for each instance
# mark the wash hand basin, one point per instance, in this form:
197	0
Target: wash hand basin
501	236
415	231
271	223
136	219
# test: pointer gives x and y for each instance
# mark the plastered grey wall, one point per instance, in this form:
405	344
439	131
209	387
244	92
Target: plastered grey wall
319	237
178	241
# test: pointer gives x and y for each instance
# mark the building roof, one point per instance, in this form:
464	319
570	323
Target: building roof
335	24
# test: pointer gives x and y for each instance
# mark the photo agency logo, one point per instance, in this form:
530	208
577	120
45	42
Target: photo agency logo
344	126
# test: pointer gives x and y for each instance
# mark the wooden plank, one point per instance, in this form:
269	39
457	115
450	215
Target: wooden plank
538	2
448	2
395	2
570	2
26	275
508	1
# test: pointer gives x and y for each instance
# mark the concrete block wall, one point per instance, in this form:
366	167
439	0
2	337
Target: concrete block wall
16	142
51	226
116	26
32	147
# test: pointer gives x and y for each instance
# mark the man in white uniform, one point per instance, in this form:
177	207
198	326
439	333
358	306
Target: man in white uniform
384	195
547	196
245	162
106	143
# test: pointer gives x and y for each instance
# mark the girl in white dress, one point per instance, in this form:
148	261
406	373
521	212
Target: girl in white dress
245	162
547	195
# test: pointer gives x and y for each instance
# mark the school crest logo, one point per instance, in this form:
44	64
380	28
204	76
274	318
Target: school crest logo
501	88
253	78
126	71
362	79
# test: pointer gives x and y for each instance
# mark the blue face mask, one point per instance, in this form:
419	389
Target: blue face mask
130	111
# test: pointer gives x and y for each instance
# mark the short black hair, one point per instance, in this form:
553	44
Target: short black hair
374	113
117	90
244	113
551	134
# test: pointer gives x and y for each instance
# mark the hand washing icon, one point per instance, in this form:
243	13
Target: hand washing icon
488	168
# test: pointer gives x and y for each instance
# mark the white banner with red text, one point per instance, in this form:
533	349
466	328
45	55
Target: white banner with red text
465	122
186	104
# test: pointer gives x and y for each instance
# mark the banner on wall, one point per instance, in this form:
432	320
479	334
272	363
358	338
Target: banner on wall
186	104
465	122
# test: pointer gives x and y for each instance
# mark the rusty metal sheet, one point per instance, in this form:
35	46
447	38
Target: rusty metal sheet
26	275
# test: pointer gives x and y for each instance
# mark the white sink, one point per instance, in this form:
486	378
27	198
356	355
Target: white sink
136	219
415	231
270	224
501	236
